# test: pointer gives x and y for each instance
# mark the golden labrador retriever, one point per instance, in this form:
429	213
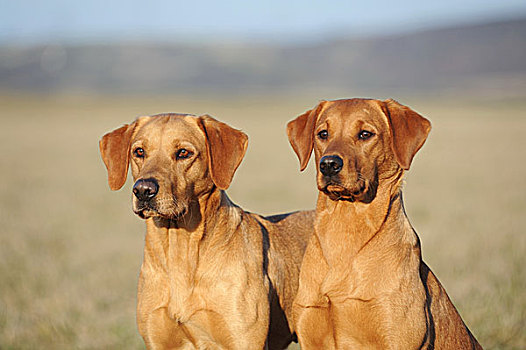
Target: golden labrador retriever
213	275
363	284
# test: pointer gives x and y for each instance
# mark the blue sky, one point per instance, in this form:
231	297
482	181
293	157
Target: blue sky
96	20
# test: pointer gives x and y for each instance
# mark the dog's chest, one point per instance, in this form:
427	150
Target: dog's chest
208	285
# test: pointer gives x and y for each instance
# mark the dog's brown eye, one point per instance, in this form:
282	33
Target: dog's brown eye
183	153
324	134
364	134
139	152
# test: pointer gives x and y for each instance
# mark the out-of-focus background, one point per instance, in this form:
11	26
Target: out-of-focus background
70	249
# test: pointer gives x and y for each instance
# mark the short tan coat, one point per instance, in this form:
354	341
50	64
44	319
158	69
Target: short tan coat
213	275
363	284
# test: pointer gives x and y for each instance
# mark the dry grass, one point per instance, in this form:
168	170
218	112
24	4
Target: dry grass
70	250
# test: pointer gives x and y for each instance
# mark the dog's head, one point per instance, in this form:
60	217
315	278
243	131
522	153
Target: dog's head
175	159
357	143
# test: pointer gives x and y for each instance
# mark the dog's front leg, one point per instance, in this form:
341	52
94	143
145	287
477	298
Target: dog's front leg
162	332
311	312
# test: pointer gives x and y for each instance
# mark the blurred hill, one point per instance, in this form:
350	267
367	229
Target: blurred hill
486	59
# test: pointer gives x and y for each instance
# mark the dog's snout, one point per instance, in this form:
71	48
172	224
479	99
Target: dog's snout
331	165
145	189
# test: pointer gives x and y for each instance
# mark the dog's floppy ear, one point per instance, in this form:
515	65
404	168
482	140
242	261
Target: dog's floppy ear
226	148
301	134
409	131
115	152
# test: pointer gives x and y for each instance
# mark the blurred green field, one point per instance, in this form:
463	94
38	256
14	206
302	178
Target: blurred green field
70	249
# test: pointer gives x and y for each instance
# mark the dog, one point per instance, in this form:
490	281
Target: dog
213	275
363	284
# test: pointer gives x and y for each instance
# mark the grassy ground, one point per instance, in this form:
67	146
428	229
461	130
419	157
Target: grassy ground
70	249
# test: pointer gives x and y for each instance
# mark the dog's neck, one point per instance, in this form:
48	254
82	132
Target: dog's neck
174	250
170	242
346	228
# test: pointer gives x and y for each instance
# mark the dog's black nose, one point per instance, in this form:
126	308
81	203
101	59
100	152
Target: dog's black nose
331	165
145	189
